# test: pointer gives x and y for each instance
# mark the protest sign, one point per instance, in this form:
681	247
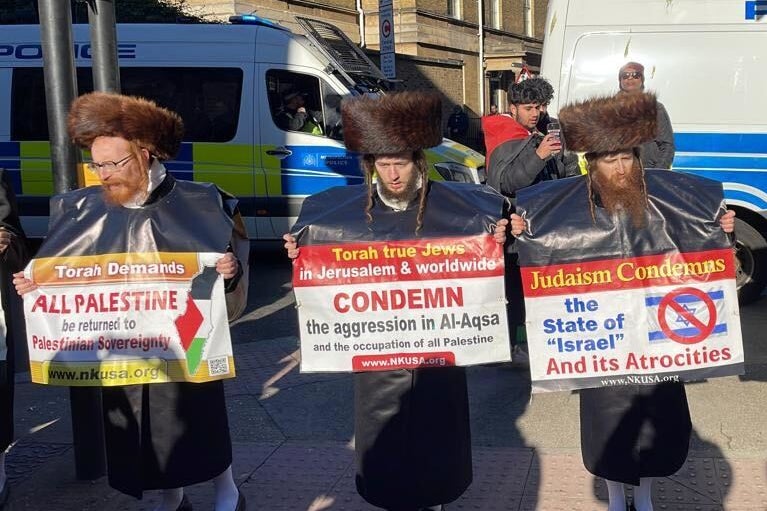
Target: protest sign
386	299
609	303
131	295
119	319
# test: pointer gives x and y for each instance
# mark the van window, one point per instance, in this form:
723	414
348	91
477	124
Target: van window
300	102
207	99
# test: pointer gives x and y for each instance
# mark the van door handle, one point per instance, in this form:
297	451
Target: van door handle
279	152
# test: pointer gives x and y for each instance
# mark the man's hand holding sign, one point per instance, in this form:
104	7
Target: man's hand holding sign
629	282
401	281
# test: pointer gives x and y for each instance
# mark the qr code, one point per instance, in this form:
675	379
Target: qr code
218	366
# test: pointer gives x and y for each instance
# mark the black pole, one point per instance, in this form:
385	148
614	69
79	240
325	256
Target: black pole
60	88
101	18
60	91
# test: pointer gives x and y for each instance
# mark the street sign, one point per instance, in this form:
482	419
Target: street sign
386	38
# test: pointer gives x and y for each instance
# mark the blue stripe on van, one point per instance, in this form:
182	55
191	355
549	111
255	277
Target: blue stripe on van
721	142
14	177
304	171
758	202
720	162
9	164
182	166
757	180
743	170
9	149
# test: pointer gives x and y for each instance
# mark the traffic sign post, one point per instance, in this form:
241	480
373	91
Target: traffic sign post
386	38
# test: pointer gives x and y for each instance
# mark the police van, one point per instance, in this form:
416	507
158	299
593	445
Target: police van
707	62
230	83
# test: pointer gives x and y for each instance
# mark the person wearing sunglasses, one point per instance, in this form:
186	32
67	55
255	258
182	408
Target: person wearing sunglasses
658	153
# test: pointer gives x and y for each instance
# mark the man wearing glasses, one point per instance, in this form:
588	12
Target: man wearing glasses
658	153
162	436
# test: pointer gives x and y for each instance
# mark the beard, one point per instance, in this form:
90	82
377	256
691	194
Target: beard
408	192
118	190
628	196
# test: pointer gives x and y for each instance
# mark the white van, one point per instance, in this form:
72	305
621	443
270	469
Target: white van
707	61
228	82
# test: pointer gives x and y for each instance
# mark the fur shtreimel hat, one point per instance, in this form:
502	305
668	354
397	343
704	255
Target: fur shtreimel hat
616	123
102	114
395	123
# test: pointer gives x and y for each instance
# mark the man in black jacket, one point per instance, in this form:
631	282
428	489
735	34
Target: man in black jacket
526	158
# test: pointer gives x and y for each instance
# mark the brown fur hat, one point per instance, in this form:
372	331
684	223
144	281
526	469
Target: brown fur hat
136	119
395	123
615	123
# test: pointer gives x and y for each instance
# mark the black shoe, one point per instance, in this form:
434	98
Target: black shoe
185	504
240	502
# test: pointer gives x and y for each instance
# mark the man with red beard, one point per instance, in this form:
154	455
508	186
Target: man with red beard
630	434
162	435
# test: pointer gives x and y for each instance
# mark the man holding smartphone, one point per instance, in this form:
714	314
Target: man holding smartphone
525	157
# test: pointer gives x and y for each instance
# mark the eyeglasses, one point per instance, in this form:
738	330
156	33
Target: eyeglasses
631	74
109	166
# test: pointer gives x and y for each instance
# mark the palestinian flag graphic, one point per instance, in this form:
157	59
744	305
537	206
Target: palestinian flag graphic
193	326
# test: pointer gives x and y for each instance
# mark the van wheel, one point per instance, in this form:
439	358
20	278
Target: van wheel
751	275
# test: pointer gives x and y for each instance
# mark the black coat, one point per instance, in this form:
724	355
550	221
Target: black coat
630	431
12	260
634	431
659	153
412	435
162	435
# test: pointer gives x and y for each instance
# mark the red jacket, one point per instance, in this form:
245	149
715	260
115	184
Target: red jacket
499	129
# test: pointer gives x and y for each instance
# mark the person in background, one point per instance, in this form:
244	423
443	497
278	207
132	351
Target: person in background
657	153
458	125
13	256
294	116
519	156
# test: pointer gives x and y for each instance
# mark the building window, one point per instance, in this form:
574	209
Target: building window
454	9
495	13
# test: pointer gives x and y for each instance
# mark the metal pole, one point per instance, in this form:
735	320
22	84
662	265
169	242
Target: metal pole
101	19
481	66
60	88
60	91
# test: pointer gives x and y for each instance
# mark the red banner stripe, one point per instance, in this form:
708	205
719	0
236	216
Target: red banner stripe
631	273
392	261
